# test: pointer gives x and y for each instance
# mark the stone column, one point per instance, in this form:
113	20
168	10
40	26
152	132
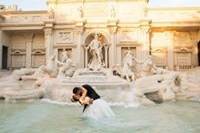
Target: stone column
86	56
198	41
48	42
170	51
28	42
195	49
79	50
79	30
145	38
28	54
106	55
113	49
146	41
1	48
112	25
79	54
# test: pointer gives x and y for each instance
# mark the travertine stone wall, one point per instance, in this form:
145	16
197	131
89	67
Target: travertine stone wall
175	48
169	34
18	50
38	50
161	47
173	14
27	49
185	43
48	35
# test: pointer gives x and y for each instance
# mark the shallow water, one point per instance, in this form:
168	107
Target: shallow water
40	117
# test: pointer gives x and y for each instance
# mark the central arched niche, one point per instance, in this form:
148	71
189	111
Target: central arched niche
103	43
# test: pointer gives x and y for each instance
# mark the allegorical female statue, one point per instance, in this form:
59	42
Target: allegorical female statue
67	67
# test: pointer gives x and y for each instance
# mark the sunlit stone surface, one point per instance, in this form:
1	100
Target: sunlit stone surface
113	45
131	54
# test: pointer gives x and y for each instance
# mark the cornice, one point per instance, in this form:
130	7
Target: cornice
67	45
24	12
176	24
128	43
22	26
196	8
83	1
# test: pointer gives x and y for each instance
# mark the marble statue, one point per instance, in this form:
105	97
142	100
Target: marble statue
127	69
160	87
80	12
112	12
67	67
147	67
133	68
95	49
51	67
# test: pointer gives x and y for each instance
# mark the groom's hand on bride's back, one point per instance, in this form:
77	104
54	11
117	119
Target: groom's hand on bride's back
86	101
91	101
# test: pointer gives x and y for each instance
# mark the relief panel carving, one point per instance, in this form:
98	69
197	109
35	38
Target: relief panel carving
64	37
128	36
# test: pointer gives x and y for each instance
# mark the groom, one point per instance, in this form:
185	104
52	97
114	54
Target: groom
85	95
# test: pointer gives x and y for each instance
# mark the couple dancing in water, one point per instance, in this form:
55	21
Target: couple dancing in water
94	106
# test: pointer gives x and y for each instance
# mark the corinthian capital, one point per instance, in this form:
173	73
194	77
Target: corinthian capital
48	32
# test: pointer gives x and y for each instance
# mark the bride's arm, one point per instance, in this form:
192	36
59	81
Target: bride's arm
82	98
87	101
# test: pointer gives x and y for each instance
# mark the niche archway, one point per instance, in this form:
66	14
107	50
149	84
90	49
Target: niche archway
104	48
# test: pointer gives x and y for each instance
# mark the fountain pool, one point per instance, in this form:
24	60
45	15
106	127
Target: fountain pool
43	117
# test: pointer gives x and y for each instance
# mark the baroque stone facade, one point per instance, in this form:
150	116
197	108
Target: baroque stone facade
171	35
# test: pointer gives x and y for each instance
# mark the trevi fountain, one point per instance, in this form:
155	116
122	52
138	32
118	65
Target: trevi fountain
144	96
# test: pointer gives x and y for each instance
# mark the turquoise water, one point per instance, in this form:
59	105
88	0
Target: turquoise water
40	117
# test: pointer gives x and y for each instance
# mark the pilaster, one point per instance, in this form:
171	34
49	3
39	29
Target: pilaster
112	26
48	34
170	54
79	31
1	49
48	42
28	54
145	37
29	41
